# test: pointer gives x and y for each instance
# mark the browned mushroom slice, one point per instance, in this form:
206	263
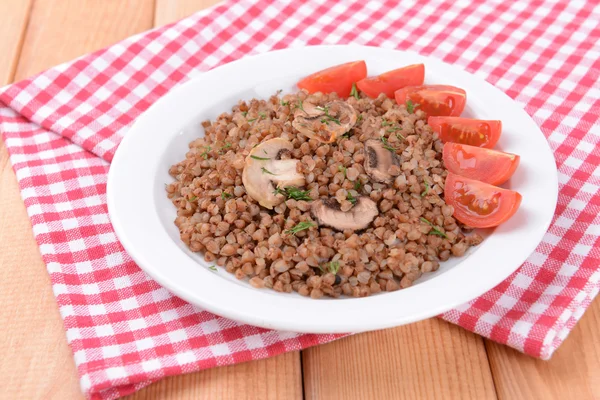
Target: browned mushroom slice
325	123
378	160
264	167
328	212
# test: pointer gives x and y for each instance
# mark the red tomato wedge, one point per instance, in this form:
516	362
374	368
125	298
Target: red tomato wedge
337	79
489	166
389	82
434	99
474	132
478	204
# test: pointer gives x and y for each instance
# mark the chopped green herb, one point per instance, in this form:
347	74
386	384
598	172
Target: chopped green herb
266	171
205	153
292	192
252	120
399	136
300	227
351	198
354	92
255	145
299	105
357	185
193	198
385	123
434	229
259	158
426	191
343	169
410	106
360	117
213	268
245	113
262	115
386	145
285	103
225	195
225	147
328	117
332	266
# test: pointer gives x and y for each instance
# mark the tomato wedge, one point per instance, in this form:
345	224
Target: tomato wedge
478	204
389	82
489	166
434	99
337	79
474	132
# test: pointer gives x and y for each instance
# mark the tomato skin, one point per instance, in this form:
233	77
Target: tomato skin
474	132
478	204
489	166
444	100
389	82
337	79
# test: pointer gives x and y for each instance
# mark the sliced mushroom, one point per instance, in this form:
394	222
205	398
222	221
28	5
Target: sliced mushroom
378	160
325	123
328	212
264	168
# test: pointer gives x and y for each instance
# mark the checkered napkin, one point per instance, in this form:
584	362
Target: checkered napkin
63	126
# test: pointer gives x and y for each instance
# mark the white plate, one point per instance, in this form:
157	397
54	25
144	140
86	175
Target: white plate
143	216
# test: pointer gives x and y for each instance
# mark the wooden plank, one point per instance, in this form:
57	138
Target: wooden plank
271	379
573	372
36	362
12	30
274	378
431	359
168	11
62	30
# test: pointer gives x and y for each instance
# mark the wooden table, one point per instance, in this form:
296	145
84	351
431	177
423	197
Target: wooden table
430	359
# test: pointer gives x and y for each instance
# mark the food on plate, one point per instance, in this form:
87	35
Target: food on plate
433	99
357	216
474	132
266	165
489	166
389	82
324	123
381	160
338	79
330	192
479	204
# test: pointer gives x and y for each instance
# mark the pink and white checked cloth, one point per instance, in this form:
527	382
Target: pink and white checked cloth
63	126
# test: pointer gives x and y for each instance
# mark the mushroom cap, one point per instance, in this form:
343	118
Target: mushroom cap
378	160
325	123
264	168
328	212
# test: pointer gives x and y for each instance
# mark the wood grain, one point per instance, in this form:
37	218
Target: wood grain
62	30
15	15
573	372
36	362
271	379
426	360
168	11
275	378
